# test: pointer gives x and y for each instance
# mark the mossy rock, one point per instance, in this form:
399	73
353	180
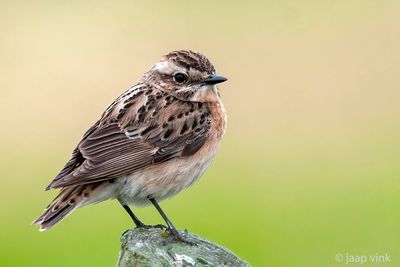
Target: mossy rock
153	247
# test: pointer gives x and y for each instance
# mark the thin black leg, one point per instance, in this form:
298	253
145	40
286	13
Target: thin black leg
171	228
135	219
163	215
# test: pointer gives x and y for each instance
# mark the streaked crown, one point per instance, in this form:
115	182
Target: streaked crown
190	60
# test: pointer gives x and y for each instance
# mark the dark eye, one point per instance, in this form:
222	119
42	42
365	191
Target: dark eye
180	77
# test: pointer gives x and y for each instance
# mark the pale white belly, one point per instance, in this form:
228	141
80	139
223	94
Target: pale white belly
161	181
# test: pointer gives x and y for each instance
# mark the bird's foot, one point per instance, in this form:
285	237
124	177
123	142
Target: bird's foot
175	235
158	226
147	226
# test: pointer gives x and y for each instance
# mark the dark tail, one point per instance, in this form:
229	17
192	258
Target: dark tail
65	202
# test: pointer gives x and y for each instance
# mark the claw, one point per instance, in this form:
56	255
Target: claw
185	232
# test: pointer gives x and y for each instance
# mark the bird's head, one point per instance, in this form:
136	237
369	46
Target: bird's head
187	75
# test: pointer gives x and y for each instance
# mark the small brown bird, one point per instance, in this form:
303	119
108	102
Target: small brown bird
154	140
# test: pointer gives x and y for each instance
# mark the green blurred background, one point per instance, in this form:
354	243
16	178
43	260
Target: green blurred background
309	166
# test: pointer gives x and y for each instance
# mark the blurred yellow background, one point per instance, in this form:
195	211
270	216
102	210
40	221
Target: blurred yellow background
309	166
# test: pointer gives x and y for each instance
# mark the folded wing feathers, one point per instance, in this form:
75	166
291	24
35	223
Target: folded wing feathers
111	149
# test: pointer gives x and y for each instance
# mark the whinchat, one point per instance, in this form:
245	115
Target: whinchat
154	140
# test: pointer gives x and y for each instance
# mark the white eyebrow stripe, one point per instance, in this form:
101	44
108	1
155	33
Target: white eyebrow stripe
166	67
195	73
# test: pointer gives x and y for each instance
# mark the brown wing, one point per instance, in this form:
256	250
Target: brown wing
138	130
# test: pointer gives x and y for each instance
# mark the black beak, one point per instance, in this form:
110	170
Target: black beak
215	80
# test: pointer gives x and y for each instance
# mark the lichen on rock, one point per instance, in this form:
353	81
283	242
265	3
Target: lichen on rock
151	247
